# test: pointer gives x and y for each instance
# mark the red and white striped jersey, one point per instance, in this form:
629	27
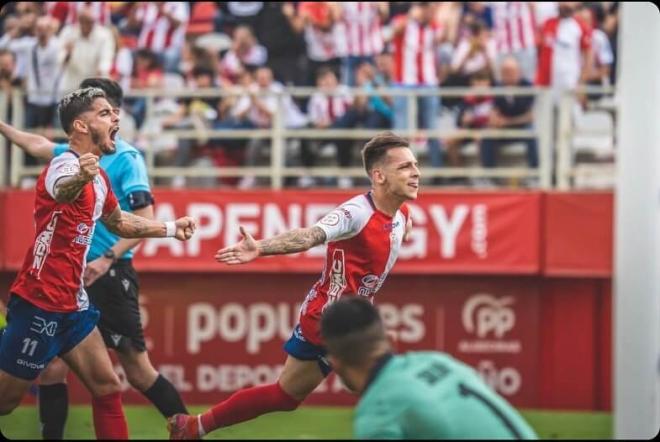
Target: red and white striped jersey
560	50
325	109
514	26
358	30
415	53
157	32
51	276
67	12
363	245
321	44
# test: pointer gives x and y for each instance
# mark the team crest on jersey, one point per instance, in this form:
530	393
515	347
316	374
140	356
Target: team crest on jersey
331	219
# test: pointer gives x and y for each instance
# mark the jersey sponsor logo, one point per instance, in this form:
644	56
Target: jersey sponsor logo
42	245
337	277
68	168
40	325
388	227
31	365
369	285
85	235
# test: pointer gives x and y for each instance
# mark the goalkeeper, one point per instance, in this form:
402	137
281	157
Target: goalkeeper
417	395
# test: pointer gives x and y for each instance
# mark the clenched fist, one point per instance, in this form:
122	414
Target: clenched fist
185	228
89	166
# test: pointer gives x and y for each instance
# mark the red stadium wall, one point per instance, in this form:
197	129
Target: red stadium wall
516	284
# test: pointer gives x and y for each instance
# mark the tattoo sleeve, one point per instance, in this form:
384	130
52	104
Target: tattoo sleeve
297	240
127	225
68	189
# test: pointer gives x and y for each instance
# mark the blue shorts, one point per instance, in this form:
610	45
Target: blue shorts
33	337
299	348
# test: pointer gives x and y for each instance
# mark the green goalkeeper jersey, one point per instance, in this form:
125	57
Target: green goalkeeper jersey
430	395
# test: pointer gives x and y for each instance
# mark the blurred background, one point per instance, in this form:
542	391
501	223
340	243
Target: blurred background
254	113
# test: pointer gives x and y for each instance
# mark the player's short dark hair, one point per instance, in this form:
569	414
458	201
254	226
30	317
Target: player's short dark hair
377	148
112	89
351	328
75	103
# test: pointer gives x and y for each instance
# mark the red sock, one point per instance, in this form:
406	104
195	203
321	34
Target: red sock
109	420
247	404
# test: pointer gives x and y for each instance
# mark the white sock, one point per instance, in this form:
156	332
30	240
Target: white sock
200	428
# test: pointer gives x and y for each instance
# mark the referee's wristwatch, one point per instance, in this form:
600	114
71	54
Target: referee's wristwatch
110	254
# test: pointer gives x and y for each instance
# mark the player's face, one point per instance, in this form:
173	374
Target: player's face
103	123
401	171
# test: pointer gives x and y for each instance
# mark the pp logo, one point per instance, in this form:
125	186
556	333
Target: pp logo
489	314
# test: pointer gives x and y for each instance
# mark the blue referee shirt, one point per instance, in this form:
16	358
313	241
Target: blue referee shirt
128	173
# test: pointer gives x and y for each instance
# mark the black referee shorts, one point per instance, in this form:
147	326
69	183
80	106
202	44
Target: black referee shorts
115	294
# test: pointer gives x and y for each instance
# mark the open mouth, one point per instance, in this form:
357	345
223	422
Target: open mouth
113	134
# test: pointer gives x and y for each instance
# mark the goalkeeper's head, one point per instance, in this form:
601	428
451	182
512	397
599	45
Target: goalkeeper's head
355	338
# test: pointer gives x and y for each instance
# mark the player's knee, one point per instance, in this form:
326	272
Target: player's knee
106	386
141	380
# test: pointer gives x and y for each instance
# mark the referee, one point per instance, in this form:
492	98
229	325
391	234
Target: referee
417	395
110	279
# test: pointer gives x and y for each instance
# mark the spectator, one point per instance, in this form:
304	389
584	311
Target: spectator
477	12
358	34
8	79
233	14
67	12
415	39
473	54
285	44
315	19
510	112
194	113
245	53
258	110
565	55
147	73
515	34
325	108
474	112
163	30
22	39
87	50
42	76
603	56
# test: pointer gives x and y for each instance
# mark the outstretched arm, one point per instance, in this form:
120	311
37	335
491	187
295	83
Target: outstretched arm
127	225
293	241
36	145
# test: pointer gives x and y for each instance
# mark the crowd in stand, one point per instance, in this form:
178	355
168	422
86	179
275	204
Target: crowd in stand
253	47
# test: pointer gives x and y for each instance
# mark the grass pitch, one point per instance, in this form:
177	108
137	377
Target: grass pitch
305	423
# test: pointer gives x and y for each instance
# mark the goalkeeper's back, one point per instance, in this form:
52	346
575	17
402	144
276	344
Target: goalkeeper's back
430	395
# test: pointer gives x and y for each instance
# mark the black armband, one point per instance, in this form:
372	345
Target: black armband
140	199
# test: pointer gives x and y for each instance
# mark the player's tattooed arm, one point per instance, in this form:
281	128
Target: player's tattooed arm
68	189
127	225
297	240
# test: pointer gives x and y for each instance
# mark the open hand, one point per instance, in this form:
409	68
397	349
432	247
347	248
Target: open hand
244	251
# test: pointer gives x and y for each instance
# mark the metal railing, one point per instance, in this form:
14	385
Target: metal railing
546	121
